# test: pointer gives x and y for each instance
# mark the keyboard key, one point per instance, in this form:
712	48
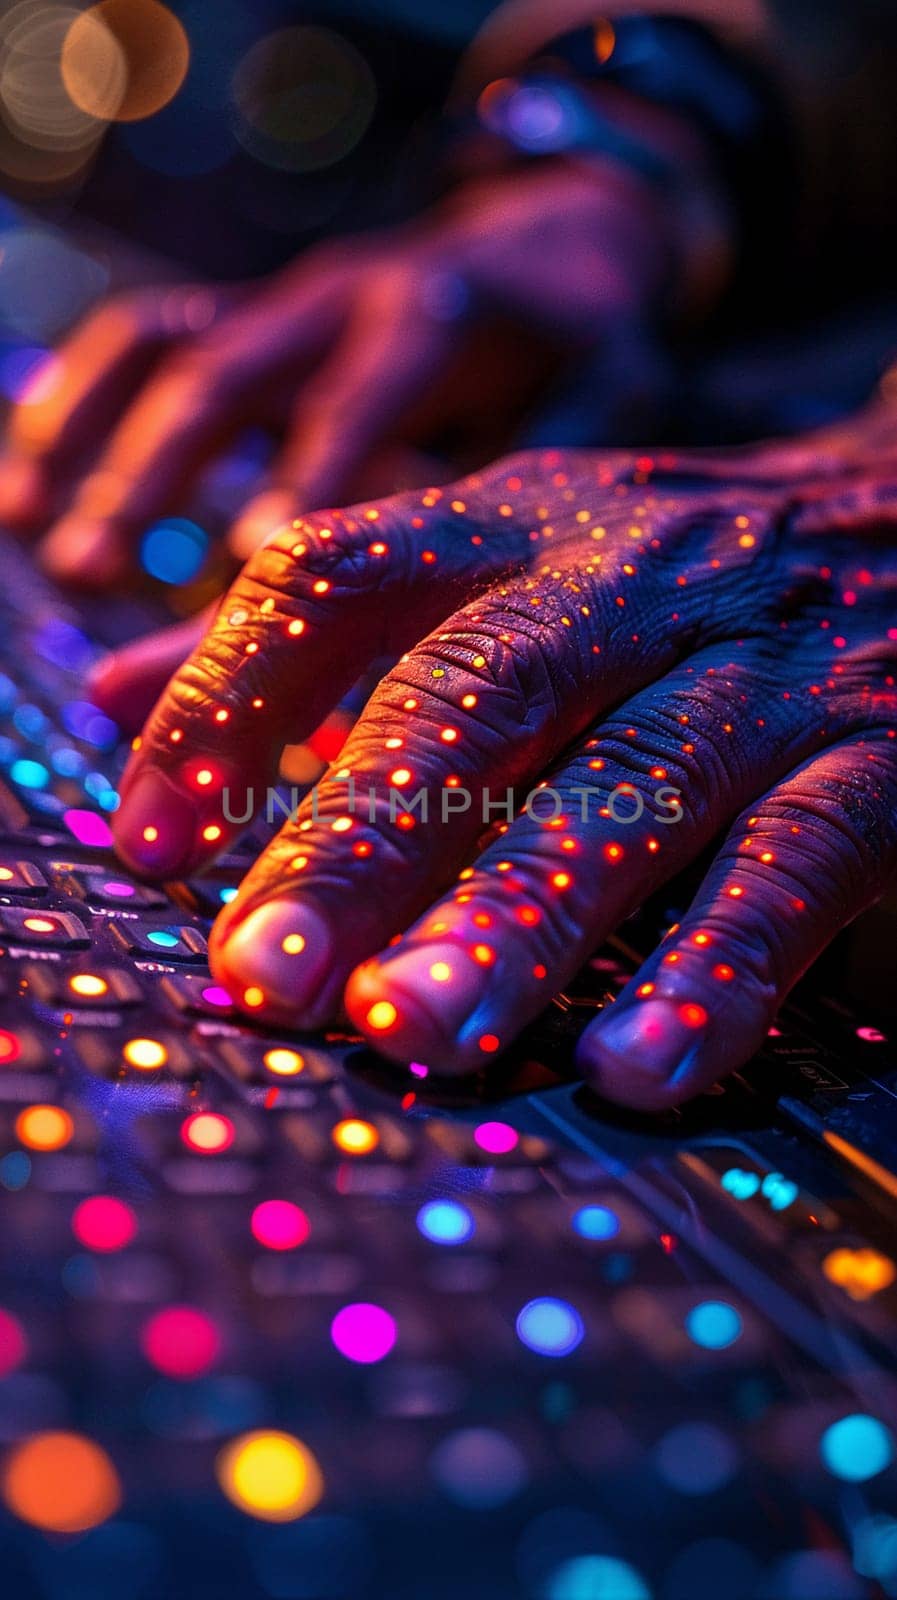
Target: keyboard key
107	888
21	878
198	996
98	989
171	943
56	930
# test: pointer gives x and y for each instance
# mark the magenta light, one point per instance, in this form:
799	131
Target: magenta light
280	1225
89	829
363	1332
497	1138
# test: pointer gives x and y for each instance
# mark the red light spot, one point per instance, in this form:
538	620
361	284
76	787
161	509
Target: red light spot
694	1016
723	972
13	1344
10	1048
489	1042
280	1225
104	1223
180	1341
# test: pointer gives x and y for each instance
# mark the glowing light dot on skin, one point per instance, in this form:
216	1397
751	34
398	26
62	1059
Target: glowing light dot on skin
448	735
613	852
382	1015
364	1333
321	587
87	985
400	776
468	701
151	834
253	997
484	954
440	972
530	916
354	1137
694	1016
204	777
496	1138
293	944
724	973
43	1127
644	989
211	833
145	1054
489	1043
222	716
561	880
735	893
284	1063
295	628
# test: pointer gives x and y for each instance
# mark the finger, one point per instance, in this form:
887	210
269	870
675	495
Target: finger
302	622
486	703
192	404
808	858
126	683
636	801
77	393
393	345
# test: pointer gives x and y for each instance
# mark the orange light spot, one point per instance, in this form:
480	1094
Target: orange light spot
400	777
382	1016
736	892
253	997
448	735
176	735
468	700
208	1133
88	985
61	1482
377	549
361	848
529	916
482	919
147	1055
723	972
341	824
150	834
43	1127
293	944
212	833
767	856
700	938
613	852
321	587
354	1137
561	880
222	715
653	845
440	972
483	953
644	989
296	627
285	1063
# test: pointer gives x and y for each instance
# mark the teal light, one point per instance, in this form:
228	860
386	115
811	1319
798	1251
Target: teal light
164	938
596	1222
857	1448
597	1578
714	1325
779	1191
445	1222
29	774
739	1184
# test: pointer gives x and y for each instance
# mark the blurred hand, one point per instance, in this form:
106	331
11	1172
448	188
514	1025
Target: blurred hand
710	643
356	344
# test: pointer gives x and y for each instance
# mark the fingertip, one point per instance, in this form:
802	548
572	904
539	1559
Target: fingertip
649	1055
93	554
278	959
155	827
259	520
413	1006
24	497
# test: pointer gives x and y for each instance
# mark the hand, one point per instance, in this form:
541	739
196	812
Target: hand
708	642
360	342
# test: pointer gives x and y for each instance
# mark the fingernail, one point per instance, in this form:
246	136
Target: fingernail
640	1054
264	516
88	551
420	999
155	826
22	490
280	954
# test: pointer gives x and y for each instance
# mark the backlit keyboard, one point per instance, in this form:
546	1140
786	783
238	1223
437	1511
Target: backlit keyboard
279	1320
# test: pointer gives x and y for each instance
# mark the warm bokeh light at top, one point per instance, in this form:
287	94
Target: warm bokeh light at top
123	60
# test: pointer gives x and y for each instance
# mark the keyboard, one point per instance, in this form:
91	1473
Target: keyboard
279	1319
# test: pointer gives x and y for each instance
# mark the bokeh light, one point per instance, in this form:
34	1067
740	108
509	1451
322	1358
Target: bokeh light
61	1482
270	1475
857	1448
173	551
43	1127
13	1343
479	1467
123	60
445	1222
280	1225
208	1133
596	1222
714	1325
363	1333
550	1327
304	98
180	1341
103	1223
496	1138
597	1578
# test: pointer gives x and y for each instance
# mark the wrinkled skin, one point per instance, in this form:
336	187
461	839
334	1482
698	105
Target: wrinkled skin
724	625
